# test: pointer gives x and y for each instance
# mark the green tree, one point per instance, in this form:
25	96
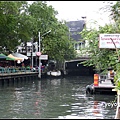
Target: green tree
115	13
104	58
10	24
21	22
101	59
57	44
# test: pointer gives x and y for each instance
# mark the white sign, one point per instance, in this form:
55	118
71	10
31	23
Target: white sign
29	44
106	42
44	57
31	54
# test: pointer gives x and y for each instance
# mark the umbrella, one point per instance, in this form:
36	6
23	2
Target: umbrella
2	56
20	55
18	59
6	57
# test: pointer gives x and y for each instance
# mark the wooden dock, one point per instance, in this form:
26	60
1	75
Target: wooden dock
16	75
7	76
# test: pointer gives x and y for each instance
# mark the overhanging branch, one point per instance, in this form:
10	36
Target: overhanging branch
116	49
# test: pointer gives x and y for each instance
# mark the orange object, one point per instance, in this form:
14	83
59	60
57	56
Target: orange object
96	79
111	73
96	110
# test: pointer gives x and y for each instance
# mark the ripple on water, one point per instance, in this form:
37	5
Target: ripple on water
78	117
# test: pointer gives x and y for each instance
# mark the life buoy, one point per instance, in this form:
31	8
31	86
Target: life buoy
89	89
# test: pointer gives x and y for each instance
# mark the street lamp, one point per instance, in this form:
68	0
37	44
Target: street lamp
39	70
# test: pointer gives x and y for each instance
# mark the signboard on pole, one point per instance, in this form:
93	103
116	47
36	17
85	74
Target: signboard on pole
106	42
44	57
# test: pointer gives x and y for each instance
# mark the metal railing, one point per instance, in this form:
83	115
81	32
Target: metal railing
15	70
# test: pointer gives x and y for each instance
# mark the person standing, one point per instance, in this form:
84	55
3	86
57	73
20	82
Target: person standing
111	75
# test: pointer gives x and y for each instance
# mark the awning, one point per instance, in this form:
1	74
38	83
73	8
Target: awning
18	59
20	55
3	56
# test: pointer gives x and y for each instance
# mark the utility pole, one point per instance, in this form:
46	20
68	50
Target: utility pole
32	55
39	68
39	75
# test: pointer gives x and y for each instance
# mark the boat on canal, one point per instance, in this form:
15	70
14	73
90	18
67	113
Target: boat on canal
101	85
54	73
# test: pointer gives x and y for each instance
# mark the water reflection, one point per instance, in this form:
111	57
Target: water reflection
53	98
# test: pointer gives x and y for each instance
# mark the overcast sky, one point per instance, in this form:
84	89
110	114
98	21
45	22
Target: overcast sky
74	10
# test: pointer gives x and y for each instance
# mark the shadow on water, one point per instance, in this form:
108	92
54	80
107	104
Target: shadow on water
62	98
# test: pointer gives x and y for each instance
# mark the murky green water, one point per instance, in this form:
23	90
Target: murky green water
54	98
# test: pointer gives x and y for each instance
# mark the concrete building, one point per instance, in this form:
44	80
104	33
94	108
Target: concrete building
75	27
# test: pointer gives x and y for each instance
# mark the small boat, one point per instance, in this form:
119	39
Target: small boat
54	73
101	85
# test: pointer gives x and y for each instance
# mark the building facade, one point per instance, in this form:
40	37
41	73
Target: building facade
75	27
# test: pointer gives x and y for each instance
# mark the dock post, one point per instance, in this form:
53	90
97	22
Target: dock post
117	116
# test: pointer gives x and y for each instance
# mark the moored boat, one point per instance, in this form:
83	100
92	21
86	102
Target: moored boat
100	86
55	73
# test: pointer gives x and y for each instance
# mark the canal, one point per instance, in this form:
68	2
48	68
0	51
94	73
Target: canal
63	98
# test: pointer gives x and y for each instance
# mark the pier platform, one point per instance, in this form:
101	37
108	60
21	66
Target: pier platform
17	75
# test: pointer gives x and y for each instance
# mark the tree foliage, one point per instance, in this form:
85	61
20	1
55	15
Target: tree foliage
21	22
102	59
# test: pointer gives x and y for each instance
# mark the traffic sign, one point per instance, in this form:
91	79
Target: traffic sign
38	53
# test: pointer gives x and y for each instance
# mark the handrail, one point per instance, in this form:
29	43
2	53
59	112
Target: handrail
15	70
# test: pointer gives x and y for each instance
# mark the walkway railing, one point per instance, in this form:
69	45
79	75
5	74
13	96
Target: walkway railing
15	70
